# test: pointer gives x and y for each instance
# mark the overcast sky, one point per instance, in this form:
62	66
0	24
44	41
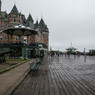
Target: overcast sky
69	21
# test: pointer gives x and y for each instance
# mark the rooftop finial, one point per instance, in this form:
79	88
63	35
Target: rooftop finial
14	2
37	19
41	16
21	11
71	44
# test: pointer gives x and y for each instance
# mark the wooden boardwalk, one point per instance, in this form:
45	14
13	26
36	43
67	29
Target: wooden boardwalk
61	76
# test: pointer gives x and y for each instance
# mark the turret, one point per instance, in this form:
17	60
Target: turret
30	18
36	24
14	10
30	22
43	27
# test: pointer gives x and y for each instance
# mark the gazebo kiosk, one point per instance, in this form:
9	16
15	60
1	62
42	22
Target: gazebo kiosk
26	49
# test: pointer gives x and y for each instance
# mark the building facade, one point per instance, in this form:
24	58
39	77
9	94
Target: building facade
8	20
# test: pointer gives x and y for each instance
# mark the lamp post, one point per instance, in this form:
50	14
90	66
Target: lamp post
84	55
84	52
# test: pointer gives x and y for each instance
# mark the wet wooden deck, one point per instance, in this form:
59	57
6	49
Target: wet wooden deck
61	76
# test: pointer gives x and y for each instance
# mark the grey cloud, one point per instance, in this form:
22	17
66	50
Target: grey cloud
68	20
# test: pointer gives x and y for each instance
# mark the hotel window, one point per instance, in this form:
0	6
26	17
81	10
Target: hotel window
1	37
1	25
5	37
1	32
5	25
15	16
14	19
17	38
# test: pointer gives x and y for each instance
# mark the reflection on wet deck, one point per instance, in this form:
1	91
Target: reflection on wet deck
61	76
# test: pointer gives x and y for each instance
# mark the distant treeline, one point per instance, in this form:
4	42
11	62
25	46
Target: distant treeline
90	53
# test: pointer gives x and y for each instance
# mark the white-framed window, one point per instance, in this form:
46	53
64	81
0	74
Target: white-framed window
1	32
25	40
1	37
17	38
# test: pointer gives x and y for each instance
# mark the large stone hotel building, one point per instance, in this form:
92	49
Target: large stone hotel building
8	20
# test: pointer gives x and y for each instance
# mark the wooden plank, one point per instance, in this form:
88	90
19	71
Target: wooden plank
58	76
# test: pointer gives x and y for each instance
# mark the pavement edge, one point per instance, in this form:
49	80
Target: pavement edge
17	83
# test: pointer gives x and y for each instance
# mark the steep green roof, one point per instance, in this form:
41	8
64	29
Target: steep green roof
30	24
43	26
30	18
41	23
46	28
23	19
36	24
4	15
14	10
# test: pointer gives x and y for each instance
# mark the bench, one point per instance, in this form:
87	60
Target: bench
33	66
38	60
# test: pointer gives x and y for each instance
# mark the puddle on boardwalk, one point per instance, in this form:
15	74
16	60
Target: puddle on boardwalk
74	64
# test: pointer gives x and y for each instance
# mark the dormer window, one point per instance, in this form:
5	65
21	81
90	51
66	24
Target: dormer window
14	16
